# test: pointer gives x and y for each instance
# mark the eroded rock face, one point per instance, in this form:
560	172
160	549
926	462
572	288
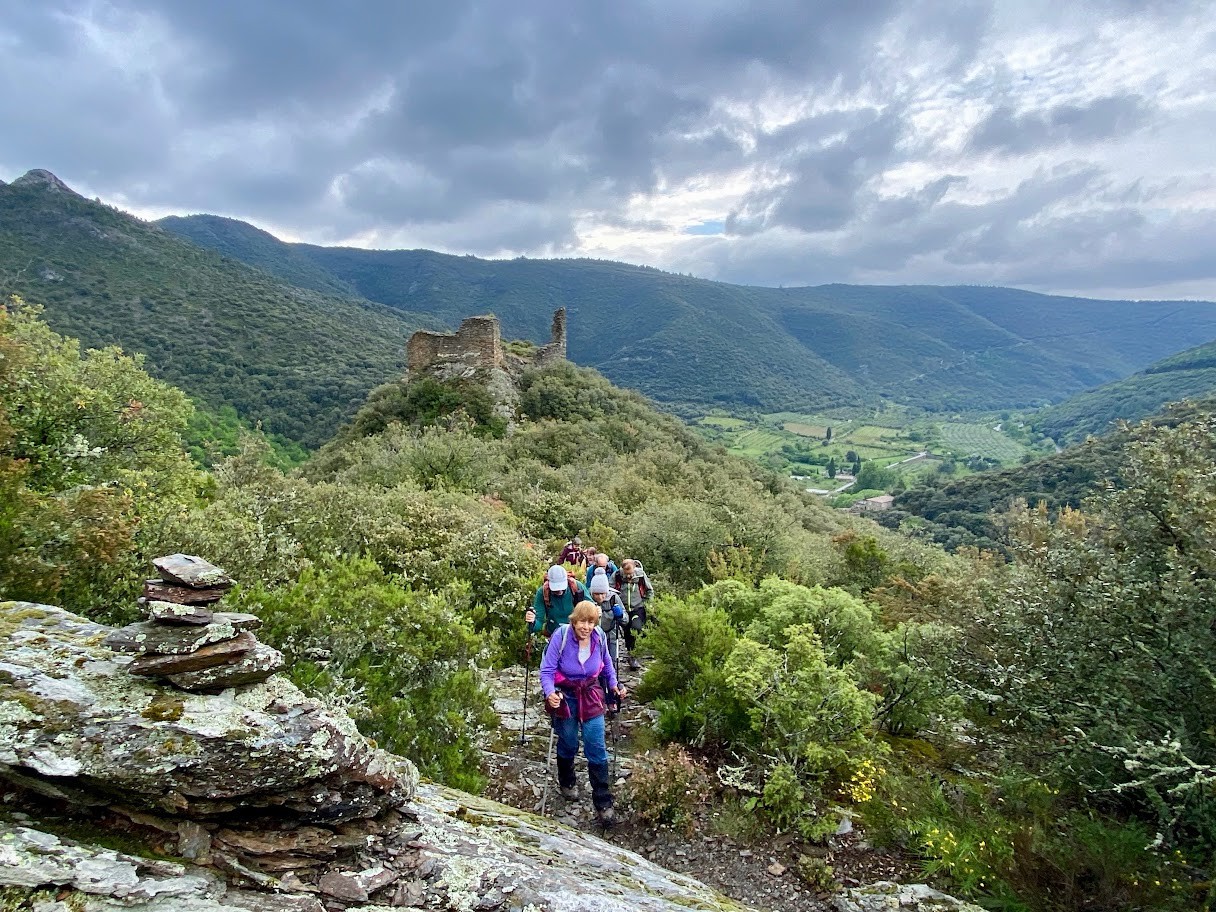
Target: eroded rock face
70	715
485	850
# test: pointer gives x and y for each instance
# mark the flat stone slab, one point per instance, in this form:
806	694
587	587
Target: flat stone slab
168	639
238	620
203	657
173	613
256	665
159	590
188	570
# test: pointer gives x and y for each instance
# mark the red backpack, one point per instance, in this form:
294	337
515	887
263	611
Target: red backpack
618	583
576	589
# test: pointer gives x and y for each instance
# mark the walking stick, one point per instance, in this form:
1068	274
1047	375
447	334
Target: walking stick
523	722
544	798
616	717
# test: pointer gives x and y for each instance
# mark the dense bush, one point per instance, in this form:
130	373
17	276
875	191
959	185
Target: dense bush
400	660
91	463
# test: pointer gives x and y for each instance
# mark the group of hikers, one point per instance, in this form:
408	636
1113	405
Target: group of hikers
585	605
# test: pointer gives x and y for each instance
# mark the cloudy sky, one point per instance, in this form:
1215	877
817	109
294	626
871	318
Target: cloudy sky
1058	146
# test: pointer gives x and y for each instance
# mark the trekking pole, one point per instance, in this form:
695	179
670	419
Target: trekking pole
616	733
523	722
544	798
616	718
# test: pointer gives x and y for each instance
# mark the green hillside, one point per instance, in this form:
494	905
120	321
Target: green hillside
294	360
965	512
1190	374
689	341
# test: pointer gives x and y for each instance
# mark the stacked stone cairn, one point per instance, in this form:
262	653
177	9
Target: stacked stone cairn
187	643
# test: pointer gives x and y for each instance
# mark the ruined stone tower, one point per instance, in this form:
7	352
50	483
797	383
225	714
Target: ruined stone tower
476	346
556	349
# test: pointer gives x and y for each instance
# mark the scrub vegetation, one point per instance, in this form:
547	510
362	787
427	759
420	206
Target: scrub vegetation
1035	725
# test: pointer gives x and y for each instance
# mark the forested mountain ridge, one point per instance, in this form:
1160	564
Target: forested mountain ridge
685	340
1187	375
295	360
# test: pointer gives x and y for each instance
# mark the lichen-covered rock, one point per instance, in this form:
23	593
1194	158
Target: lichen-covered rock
258	664
30	858
70	716
188	570
161	591
483	848
203	657
168	639
103	880
885	896
174	613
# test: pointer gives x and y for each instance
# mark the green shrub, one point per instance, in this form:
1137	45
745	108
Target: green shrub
401	661
666	787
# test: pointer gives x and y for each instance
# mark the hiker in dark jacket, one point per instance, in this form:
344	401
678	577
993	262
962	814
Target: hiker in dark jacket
635	589
573	553
570	677
600	560
554	600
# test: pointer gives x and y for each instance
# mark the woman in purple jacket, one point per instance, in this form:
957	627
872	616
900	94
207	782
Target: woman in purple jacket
570	672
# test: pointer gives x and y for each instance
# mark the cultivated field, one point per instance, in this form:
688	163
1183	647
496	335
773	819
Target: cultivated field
799	443
965	440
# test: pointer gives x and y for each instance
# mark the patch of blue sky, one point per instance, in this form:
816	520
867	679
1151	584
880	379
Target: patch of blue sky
706	228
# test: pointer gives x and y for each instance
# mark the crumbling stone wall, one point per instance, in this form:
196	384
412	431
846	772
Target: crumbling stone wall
556	349
476	344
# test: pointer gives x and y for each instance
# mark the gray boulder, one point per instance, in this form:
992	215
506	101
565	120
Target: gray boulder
70	714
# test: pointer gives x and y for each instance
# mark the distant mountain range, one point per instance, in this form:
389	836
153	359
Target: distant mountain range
686	340
294	335
295	360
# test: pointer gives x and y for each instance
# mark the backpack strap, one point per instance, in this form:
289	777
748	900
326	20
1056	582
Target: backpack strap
564	630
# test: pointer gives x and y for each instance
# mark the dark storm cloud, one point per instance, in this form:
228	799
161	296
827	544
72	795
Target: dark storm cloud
1101	119
495	127
492	101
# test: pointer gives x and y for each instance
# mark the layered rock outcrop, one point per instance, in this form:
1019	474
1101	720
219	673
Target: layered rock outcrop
255	798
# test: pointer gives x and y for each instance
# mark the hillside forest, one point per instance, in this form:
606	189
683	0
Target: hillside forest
1034	726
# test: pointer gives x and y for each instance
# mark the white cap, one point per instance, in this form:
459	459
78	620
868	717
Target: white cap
557	578
599	582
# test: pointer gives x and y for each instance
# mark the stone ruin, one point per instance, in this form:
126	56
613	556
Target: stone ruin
477	347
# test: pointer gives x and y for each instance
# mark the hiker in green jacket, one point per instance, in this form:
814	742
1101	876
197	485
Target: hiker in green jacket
554	600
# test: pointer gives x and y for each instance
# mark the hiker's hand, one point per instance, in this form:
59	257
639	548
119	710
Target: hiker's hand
529	617
621	692
554	700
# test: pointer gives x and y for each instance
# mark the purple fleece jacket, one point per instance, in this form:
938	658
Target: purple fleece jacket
567	664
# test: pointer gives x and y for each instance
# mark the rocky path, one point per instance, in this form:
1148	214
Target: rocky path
762	876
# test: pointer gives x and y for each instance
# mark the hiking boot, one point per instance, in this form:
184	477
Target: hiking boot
569	792
634	664
607	816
